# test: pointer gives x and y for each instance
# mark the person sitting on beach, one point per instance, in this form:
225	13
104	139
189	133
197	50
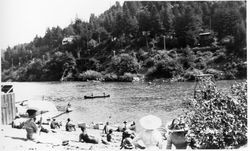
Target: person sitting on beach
150	136
176	136
125	126
132	126
106	128
127	140
84	137
54	124
109	136
70	126
68	108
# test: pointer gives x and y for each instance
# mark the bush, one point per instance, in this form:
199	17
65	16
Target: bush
110	77
127	77
91	75
219	121
124	63
164	69
217	73
190	74
149	62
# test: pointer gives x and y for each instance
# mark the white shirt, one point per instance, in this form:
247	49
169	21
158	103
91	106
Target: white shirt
150	138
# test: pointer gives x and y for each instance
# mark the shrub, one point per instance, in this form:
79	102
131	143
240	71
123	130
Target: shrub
218	120
110	77
90	75
190	74
127	77
124	63
149	62
164	69
217	73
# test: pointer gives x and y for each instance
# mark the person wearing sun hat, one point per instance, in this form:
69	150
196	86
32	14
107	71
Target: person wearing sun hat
177	131
150	136
30	125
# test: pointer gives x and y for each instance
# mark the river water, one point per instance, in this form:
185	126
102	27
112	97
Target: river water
128	101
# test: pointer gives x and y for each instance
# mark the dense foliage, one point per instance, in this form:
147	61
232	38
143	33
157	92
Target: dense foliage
219	120
162	39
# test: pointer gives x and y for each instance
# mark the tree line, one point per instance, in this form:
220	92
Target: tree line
157	39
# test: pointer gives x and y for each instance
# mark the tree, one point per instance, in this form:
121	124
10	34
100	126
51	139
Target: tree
124	63
225	21
167	18
54	68
187	28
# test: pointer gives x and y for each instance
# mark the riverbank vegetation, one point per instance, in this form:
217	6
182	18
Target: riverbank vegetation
218	120
148	40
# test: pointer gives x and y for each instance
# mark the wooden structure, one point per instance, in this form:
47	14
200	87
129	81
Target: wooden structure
203	82
8	109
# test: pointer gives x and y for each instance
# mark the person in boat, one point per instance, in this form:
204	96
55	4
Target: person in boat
106	128
177	133
151	138
31	127
84	137
54	124
70	126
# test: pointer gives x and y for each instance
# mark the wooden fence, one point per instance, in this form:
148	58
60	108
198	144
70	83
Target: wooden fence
8	109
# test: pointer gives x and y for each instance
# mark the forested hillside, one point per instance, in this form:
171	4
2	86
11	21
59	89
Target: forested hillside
148	39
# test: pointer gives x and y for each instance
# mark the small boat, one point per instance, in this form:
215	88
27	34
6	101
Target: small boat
93	97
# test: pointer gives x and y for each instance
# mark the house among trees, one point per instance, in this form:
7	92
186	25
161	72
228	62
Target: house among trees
68	40
206	38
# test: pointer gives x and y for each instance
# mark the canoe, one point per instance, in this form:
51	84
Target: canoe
93	97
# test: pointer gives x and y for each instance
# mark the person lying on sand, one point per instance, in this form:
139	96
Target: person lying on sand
84	137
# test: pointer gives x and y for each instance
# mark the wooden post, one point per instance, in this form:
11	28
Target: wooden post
1	111
164	42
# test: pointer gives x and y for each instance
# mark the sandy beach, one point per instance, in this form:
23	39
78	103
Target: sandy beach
15	139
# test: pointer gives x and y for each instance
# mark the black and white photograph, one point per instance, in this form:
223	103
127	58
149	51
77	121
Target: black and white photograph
123	75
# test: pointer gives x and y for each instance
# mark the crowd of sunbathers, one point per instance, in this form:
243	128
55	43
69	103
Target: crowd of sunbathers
150	137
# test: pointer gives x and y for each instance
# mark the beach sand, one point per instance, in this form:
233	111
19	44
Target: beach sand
15	139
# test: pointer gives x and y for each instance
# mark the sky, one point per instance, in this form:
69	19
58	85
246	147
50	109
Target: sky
22	20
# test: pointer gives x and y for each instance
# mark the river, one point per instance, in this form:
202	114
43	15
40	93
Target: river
128	101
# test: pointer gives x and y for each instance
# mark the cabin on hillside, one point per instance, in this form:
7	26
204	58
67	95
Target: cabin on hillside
206	38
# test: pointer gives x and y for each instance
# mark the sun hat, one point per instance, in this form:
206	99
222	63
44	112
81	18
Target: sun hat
32	112
150	122
179	126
